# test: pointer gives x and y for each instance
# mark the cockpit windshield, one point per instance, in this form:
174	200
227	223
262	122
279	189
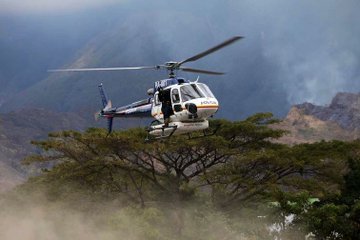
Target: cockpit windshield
206	90
189	92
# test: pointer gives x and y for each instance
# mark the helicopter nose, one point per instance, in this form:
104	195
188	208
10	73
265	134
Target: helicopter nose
208	108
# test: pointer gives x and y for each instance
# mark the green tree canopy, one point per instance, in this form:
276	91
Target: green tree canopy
239	166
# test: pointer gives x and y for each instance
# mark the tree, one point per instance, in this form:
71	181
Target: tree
122	162
238	166
338	217
334	214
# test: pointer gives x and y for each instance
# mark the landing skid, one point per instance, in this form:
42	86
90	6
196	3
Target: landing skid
157	130
205	133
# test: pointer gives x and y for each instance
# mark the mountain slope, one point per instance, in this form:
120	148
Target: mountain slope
309	123
344	109
74	91
17	129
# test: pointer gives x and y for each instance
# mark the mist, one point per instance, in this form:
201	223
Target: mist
37	216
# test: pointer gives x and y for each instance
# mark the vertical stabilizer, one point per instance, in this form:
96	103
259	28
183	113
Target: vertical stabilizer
104	98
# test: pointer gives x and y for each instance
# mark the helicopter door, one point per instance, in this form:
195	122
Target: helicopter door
175	97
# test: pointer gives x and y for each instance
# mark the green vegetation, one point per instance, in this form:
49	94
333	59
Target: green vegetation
236	184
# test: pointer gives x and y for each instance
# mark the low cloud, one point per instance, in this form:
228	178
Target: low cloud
51	6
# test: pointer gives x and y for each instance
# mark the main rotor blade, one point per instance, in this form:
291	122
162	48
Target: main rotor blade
211	50
186	69
102	69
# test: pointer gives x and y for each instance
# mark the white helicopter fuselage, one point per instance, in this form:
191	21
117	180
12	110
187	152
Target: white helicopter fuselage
192	104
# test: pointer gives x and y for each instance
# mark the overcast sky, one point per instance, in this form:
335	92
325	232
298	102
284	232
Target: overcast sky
51	6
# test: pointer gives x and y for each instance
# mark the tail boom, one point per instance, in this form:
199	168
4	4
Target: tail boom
138	109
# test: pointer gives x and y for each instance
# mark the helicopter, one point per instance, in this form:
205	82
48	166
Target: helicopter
191	103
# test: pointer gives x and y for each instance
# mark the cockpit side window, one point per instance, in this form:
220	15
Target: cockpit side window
206	90
189	92
175	96
196	89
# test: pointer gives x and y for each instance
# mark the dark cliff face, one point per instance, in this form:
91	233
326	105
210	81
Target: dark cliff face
344	110
307	122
